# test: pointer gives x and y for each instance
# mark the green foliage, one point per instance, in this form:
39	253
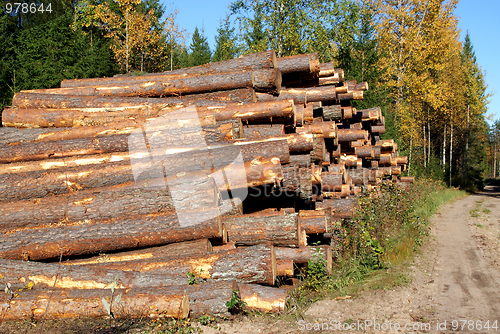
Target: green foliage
225	41
199	49
383	236
235	305
192	279
316	271
288	27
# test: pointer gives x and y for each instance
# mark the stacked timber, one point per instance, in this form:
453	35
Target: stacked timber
164	194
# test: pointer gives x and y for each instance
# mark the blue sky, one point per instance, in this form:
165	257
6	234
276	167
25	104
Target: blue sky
478	17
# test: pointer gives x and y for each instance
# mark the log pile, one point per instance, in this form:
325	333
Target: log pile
164	194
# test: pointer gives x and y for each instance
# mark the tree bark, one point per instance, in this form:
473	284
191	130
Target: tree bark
55	276
276	227
346	135
313	221
263	298
183	248
256	61
129	199
262	80
306	63
253	264
263	130
152	303
93	236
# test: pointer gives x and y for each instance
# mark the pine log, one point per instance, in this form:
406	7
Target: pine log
318	152
230	207
239	95
306	63
344	208
216	156
346	135
325	129
302	255
263	298
263	130
326	70
332	113
194	247
401	160
284	268
348	160
283	111
53	275
306	188
112	143
93	236
36	99
266	59
132	303
308	112
407	179
377	129
301	160
372	114
264	80
210	298
353	95
191	193
253	264
258	172
365	152
300	142
276	227
331	181
358	176
313	221
331	80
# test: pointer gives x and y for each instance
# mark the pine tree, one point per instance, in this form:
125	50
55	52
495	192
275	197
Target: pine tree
199	49
225	41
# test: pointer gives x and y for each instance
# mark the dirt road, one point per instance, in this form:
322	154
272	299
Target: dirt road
455	284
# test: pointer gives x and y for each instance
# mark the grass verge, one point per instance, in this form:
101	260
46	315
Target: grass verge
380	242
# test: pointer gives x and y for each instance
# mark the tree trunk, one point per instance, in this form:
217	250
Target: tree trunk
263	80
346	135
262	298
263	112
305	63
183	248
127	199
313	221
451	148
152	303
93	236
276	227
254	264
56	276
263	130
256	61
444	149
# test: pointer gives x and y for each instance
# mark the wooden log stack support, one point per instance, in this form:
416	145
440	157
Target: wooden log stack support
179	215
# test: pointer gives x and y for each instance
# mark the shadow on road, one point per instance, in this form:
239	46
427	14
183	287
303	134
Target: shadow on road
492	189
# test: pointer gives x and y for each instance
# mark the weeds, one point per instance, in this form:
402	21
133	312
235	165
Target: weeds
380	240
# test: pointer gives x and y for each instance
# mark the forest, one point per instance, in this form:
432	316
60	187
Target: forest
427	80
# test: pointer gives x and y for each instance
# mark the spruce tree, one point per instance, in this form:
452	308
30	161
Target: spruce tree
199	49
225	41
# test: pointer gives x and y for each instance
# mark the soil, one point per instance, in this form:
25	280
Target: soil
455	284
